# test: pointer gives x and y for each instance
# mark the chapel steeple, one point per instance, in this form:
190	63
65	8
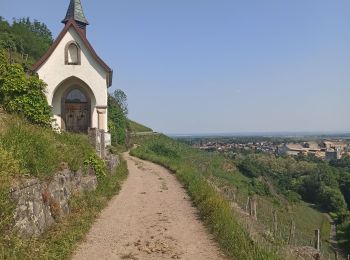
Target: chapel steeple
75	12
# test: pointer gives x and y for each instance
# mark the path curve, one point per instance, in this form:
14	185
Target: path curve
151	218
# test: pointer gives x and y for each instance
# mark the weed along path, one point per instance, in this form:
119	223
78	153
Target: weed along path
151	218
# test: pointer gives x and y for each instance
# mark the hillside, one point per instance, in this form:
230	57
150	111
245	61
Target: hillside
28	151
281	226
135	127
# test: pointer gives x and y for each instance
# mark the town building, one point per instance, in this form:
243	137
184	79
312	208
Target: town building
77	78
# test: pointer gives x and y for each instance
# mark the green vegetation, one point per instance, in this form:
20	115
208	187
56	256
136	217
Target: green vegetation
61	239
30	150
316	182
23	94
117	117
194	169
278	184
25	41
136	127
39	151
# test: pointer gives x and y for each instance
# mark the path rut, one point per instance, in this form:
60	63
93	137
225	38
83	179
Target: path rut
151	218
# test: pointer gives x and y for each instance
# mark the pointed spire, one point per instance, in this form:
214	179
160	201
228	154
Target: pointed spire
75	12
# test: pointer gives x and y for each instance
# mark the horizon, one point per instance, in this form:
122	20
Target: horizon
264	134
220	67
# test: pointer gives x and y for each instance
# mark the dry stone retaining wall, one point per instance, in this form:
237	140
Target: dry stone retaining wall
39	204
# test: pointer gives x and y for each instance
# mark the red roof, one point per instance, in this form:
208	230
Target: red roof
72	23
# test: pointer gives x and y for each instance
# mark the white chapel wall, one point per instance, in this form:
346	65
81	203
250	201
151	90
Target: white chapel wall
54	72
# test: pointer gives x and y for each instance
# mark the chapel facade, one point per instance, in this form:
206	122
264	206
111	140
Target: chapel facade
76	76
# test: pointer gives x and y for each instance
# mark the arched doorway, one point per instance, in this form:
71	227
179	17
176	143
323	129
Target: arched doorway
76	109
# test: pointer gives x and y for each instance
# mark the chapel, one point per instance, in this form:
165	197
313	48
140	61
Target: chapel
77	78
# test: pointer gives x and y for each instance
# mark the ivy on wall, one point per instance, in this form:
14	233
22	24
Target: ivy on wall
23	94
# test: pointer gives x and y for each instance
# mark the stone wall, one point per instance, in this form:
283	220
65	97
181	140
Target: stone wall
41	203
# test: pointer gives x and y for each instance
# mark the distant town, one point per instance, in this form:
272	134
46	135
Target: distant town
325	149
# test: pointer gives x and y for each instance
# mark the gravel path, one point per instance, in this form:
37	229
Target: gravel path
151	218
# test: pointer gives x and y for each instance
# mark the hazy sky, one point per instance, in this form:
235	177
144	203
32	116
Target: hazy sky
201	66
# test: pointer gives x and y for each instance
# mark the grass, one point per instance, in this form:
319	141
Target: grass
136	127
61	239
31	151
40	151
214	210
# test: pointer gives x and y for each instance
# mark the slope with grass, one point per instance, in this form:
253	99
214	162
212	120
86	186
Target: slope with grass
191	169
135	127
28	151
220	192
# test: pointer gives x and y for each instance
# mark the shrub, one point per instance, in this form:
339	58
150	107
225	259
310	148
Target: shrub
97	164
23	94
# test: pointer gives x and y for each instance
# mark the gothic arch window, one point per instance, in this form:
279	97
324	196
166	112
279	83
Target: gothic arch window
72	53
76	96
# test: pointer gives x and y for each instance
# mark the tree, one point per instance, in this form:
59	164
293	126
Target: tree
117	120
332	200
121	99
25	37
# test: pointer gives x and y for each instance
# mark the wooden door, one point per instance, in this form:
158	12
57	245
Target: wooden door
77	117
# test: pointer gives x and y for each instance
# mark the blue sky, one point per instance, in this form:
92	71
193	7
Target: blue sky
208	66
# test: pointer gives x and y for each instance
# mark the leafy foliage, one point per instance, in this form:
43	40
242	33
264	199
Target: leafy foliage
25	37
23	94
97	164
117	120
314	181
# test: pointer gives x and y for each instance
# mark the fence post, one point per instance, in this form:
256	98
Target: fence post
255	206
275	227
291	233
247	205
317	239
234	196
336	255
251	207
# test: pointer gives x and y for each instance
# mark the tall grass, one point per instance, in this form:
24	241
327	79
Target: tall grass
40	151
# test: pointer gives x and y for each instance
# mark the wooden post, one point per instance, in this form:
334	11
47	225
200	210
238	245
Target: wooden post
317	239
291	233
336	255
275	223
255	213
251	207
247	205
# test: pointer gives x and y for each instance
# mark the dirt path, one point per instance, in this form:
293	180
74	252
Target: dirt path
151	218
